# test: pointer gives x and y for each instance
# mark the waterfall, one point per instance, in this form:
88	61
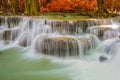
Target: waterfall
35	48
60	37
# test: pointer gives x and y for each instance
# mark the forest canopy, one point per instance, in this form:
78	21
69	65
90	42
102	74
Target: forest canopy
35	7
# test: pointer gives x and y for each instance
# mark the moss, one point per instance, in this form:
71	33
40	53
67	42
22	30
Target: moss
1	12
103	27
84	39
61	38
64	16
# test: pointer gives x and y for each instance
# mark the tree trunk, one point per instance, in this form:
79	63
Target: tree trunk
100	7
34	7
27	7
31	7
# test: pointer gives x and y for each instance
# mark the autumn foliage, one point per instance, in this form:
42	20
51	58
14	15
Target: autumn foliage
34	7
69	6
111	5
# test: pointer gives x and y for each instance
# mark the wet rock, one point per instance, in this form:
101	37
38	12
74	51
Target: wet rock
6	34
11	22
103	58
10	34
23	43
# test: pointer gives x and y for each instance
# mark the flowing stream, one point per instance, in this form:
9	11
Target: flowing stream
41	49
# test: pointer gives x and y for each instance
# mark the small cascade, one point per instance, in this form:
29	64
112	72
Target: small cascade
9	22
104	32
69	27
59	37
66	45
110	46
98	22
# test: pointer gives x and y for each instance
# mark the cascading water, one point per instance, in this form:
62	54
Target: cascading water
60	37
58	49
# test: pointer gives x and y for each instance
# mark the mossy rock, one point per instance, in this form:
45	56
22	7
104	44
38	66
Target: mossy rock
84	39
60	46
61	38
